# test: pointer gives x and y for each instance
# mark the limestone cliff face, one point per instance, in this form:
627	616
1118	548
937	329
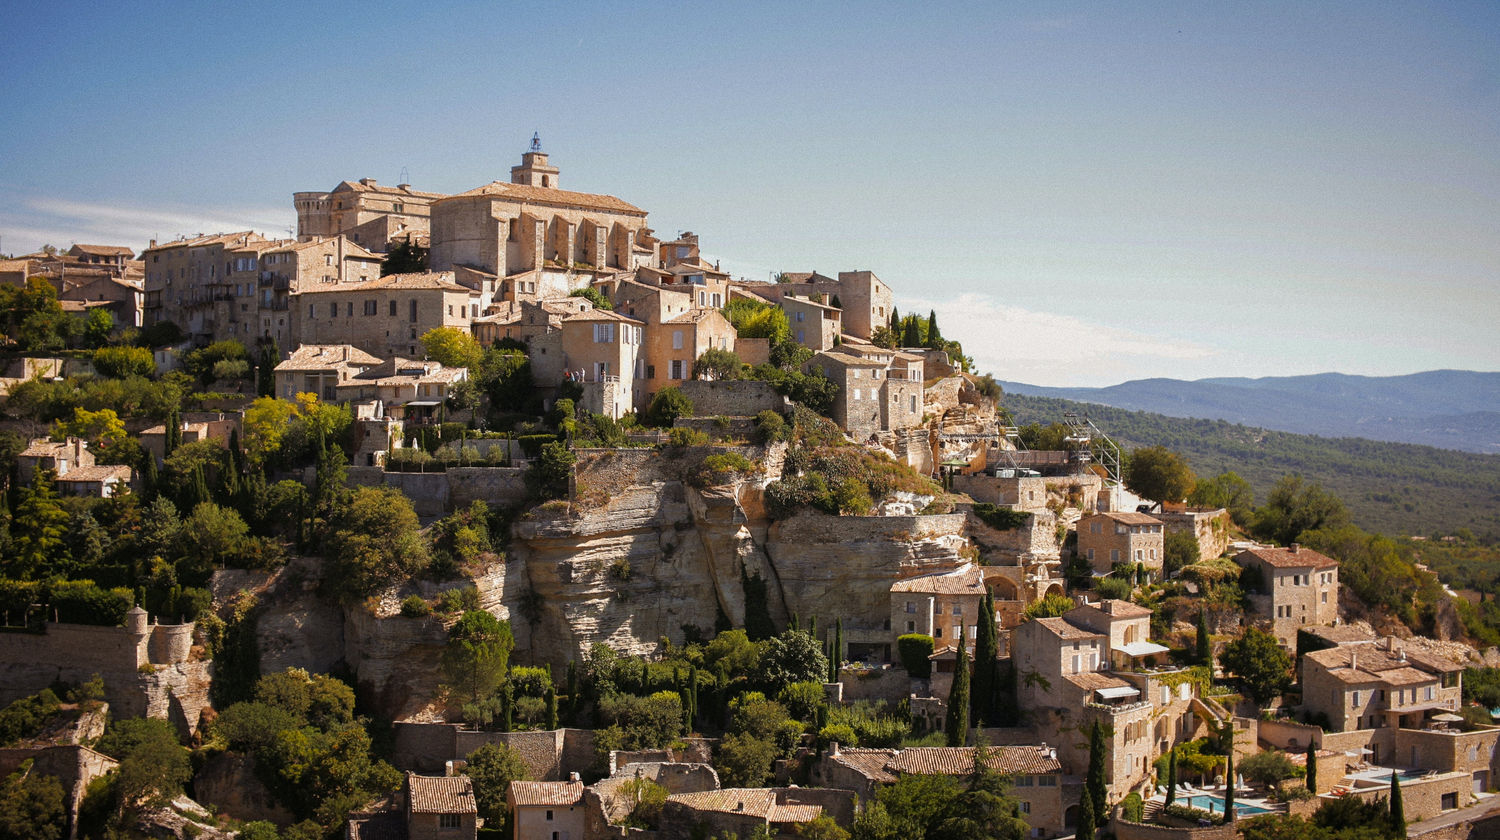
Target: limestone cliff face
662	556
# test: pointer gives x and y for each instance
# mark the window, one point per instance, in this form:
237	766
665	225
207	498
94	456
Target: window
1356	698
911	627
799	317
549	816
372	307
1091	555
1429	693
1025	781
1051	781
676	368
412	316
349	310
650	371
393	309
911	607
1114	555
328	259
676	339
604	333
958	609
333	310
449	821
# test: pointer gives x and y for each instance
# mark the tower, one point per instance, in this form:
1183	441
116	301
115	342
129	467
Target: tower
534	170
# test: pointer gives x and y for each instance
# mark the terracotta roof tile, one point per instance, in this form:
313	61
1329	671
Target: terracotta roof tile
1094	681
549	195
105	250
867	763
753	801
545	793
440	795
601	315
1066	630
95	473
958	761
321	356
1120	609
965	580
440	280
1129	518
1295	557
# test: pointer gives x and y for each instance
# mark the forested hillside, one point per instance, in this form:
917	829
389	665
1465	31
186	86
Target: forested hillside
1390	488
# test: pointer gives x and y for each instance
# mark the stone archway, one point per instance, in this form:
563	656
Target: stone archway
1054	589
1070	817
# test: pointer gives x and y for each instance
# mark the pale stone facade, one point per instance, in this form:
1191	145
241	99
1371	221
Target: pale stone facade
529	225
601	350
1210	527
319	369
879	390
386	316
370	214
814	325
1378	686
943	605
1299	587
1106	539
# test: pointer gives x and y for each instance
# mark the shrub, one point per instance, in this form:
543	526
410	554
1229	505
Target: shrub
1192	814
683	437
770	426
122	362
668	405
721	468
1113	587
837	733
415	606
914	648
1000	518
1134	808
462	599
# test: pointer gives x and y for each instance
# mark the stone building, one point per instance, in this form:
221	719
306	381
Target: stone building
195	426
319	369
411	390
864	299
943	605
1298	586
370	214
536	239
547	810
1378	685
879	390
440	807
238	285
1209	527
814	325
1035	774
601	351
526	320
385	316
73	468
1106	539
742	811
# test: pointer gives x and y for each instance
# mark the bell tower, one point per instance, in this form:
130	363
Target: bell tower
534	170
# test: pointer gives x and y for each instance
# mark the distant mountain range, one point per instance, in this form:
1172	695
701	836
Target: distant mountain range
1450	409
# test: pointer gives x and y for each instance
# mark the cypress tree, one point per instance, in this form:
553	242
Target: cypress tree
1312	769
693	695
573	699
986	676
1229	771
792	622
1205	642
838	647
552	722
507	707
812	626
1171	775
895	321
958	700
934	338
911	333
1398	808
149	478
1087	825
174	432
836	303
1095	794
265	379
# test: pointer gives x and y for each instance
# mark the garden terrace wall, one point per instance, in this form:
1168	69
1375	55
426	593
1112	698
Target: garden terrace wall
1127	830
549	755
733	398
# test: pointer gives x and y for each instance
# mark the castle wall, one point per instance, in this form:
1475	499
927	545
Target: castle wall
732	398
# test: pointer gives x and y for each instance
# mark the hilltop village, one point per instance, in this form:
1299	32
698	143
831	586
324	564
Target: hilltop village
499	515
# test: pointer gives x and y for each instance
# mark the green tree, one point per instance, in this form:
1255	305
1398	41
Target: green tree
914	650
153	765
452	347
957	723
983	809
550	473
666	406
374	540
1205	641
744	760
37	529
1398	808
1229	778
594	296
474	660
792	657
97	326
717	364
934	338
1051	606
1294	506
212	537
404	257
1158	474
986	685
1180	549
1312	768
1171	776
1261	664
492	768
913	805
1095	793
1269	768
265	370
1225	490
123	362
31	808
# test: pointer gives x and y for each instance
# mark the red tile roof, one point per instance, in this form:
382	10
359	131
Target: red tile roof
558	794
1294	557
958	761
440	795
549	195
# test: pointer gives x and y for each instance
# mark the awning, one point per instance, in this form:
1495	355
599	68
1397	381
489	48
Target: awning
422	403
1143	648
1117	692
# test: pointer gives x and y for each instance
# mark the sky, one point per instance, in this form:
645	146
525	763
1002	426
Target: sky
1085	193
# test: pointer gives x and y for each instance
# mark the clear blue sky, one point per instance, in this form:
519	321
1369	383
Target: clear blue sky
1086	193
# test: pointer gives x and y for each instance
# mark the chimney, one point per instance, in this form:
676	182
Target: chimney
1354	660
1295	547
573	777
833	749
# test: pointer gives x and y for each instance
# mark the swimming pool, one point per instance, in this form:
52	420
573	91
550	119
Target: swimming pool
1215	805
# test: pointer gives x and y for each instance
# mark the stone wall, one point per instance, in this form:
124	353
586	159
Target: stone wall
733	398
549	755
1126	830
437	493
888	684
